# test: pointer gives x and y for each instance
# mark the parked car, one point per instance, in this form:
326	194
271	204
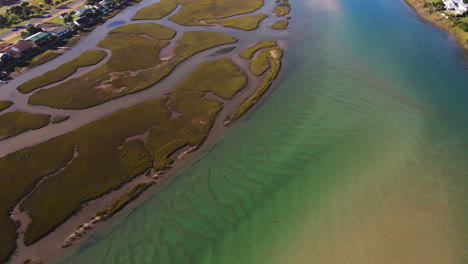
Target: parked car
29	24
14	29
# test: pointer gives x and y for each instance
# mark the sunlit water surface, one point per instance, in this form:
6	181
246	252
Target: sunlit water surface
360	153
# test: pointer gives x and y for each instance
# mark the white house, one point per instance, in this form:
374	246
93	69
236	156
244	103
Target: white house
456	6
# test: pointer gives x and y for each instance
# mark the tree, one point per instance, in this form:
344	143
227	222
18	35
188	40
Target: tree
3	21
68	19
48	2
33	30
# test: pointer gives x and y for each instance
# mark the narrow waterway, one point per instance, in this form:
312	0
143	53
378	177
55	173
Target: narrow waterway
360	154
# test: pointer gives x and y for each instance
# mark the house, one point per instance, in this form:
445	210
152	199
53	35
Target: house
39	38
58	31
81	22
456	6
19	48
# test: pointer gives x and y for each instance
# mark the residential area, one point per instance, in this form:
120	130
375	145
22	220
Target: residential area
33	39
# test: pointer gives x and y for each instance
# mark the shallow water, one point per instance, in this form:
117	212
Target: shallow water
360	154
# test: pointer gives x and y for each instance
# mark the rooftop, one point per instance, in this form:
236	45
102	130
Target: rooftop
38	36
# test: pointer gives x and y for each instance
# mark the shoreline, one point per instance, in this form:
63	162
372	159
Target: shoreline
437	20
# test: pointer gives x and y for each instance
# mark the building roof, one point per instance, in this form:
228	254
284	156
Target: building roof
18	47
38	36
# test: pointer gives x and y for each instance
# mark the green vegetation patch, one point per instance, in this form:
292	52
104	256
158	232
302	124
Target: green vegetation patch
245	22
282	9
252	99
225	80
156	11
149	29
195	41
42	58
249	52
59	119
193	11
5	104
124	199
133	66
261	63
280	25
88	58
14	123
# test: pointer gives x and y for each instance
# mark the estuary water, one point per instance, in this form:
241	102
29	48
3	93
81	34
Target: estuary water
359	154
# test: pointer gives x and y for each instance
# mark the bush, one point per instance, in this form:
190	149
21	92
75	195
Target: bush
463	26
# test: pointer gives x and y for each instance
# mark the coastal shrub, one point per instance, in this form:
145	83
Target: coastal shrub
280	25
195	41
463	26
225	80
88	58
252	99
42	58
260	63
250	51
124	199
282	9
193	11
244	22
156	11
14	123
5	104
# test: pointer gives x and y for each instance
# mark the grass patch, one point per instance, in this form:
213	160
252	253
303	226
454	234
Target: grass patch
14	123
71	42
249	52
280	25
123	200
59	119
42	58
88	58
156	11
195	41
282	9
260	63
225	81
149	29
192	11
133	66
5	104
252	99
245	22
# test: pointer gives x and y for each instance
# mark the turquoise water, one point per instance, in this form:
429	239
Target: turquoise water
360	153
